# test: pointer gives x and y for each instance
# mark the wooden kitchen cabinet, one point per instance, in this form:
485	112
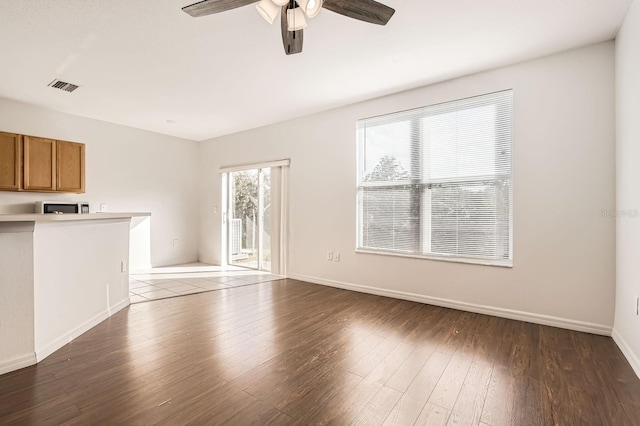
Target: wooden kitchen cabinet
70	166
10	161
35	164
39	164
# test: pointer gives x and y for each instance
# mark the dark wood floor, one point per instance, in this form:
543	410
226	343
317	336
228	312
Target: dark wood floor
289	352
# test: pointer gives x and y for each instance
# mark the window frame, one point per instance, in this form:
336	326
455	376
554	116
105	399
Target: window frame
424	185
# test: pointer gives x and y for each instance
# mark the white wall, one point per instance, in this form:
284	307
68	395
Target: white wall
57	280
564	159
627	323
77	278
16	298
128	169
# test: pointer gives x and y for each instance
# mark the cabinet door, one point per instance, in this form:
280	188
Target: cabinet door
39	164
10	161
70	164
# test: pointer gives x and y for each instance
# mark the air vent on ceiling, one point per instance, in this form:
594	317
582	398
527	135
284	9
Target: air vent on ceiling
63	85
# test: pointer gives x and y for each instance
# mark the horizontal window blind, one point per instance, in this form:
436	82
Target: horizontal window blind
437	181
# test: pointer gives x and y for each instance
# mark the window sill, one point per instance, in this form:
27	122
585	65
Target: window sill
483	262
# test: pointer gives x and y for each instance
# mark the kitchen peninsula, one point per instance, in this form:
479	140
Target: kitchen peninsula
60	275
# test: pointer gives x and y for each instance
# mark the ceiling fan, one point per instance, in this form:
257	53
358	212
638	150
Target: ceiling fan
293	13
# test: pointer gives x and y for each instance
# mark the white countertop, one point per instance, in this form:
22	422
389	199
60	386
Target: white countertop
37	217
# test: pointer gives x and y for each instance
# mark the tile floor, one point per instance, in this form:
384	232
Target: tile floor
161	283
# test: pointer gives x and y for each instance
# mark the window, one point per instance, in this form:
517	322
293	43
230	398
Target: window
436	181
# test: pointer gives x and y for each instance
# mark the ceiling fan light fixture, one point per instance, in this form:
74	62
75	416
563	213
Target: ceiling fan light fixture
295	19
311	7
268	10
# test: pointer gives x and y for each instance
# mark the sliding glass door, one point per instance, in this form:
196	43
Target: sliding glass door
250	219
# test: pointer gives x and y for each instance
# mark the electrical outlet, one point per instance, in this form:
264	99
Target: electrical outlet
123	266
329	255
637	305
103	207
175	242
336	256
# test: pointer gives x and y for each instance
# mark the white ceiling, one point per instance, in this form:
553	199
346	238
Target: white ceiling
143	62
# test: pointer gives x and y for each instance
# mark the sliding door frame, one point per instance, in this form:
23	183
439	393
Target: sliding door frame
279	176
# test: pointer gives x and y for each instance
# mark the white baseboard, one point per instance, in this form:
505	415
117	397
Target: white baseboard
141	268
120	305
464	306
48	349
627	352
17	363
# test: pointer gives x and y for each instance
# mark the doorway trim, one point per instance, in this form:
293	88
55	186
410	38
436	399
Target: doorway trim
265	165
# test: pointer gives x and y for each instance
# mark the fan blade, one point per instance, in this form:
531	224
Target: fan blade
364	10
209	7
292	40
